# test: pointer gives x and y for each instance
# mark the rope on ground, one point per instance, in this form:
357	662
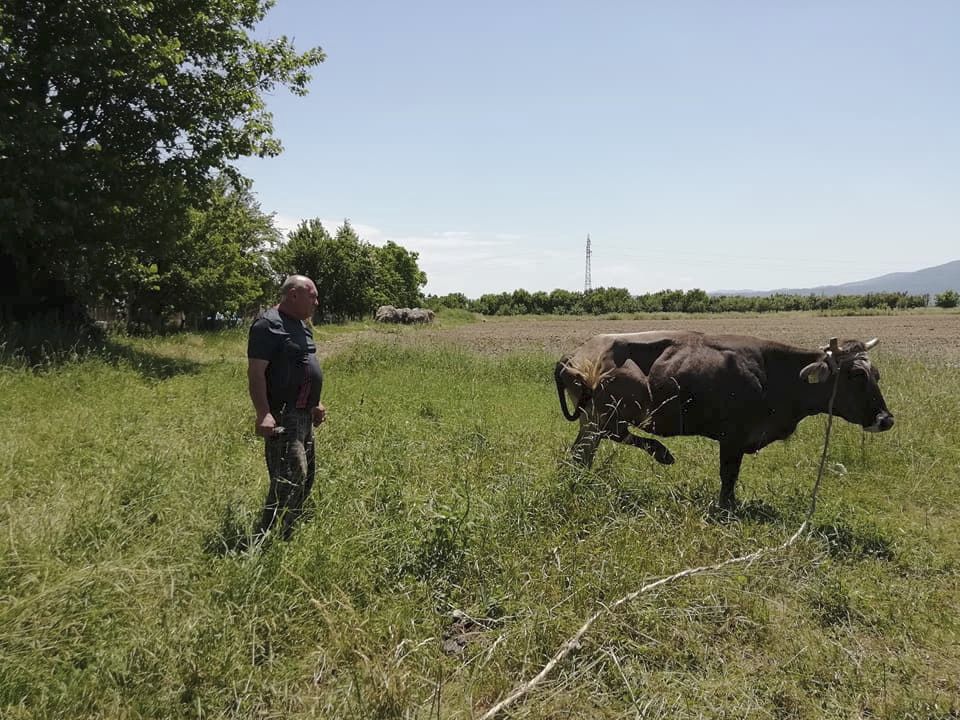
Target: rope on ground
574	641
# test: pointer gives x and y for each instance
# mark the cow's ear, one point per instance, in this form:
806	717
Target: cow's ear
815	372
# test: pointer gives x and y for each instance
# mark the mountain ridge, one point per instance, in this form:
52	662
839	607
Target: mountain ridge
930	280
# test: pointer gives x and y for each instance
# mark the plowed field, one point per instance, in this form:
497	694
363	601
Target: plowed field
930	336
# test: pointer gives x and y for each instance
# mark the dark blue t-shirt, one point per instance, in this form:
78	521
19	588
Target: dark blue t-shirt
294	378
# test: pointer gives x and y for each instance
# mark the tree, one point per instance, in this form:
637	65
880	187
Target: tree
695	301
342	267
608	300
217	264
540	303
947	299
398	277
566	302
353	277
115	117
457	301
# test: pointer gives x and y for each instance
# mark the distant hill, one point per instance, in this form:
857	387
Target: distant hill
930	280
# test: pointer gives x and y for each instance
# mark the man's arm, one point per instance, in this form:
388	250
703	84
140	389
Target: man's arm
257	384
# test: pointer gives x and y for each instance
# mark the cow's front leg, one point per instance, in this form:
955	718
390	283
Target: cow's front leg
730	460
653	447
586	443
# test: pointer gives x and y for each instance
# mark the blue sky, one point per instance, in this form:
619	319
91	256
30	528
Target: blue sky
717	145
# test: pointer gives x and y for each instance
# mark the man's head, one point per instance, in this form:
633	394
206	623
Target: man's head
298	297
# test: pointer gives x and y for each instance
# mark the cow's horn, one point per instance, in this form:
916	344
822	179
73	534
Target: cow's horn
871	343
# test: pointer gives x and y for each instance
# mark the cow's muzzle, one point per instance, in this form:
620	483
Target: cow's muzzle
882	423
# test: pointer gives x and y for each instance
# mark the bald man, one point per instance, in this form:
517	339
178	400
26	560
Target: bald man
285	380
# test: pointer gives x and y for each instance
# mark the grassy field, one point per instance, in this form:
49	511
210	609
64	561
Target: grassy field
451	550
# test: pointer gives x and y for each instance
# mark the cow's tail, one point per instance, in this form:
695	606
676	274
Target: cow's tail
558	373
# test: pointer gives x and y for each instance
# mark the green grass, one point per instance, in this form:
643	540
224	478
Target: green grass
443	486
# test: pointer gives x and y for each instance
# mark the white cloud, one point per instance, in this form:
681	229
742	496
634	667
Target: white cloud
284	223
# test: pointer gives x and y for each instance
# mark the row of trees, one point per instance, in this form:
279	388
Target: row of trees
619	300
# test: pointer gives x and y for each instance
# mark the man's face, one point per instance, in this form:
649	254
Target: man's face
303	301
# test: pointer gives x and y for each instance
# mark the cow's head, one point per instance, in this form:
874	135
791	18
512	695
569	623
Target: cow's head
859	399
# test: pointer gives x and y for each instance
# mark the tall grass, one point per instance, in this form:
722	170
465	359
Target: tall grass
451	549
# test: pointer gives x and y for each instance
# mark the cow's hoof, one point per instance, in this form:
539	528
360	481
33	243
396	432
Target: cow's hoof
723	513
728	507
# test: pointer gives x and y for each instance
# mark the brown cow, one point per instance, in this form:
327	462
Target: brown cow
742	391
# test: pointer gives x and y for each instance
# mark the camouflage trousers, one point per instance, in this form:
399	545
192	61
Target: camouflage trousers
291	466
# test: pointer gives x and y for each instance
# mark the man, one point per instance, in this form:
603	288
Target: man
285	380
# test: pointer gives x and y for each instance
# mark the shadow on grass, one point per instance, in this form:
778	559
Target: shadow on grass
761	512
753	511
604	485
42	347
235	532
576	487
153	367
846	542
227	541
47	343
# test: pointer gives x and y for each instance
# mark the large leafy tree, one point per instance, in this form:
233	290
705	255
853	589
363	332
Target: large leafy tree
115	115
398	277
217	263
342	267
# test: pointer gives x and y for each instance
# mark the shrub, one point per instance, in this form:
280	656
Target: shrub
947	299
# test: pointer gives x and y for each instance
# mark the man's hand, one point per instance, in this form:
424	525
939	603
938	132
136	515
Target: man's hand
319	414
266	425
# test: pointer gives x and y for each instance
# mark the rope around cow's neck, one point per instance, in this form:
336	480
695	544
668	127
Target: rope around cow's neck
823	462
574	641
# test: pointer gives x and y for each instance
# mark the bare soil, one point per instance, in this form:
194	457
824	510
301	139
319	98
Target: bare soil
930	335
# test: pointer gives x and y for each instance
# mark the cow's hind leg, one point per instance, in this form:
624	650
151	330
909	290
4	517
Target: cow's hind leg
654	448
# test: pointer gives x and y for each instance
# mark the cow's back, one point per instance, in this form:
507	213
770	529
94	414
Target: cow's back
697	383
643	348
